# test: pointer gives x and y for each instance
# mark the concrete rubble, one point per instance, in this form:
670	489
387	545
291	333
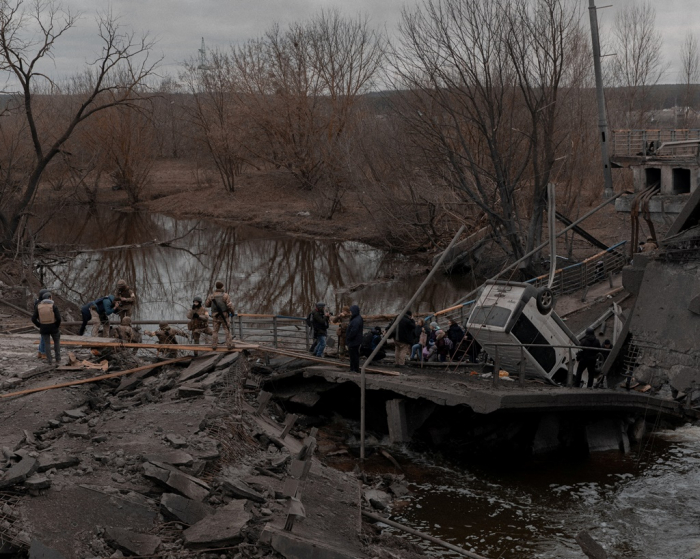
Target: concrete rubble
165	464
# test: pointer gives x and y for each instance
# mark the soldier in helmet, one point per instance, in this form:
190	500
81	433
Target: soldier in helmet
126	333
221	308
166	335
198	320
125	298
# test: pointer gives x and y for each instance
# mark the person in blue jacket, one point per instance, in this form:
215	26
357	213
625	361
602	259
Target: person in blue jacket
98	311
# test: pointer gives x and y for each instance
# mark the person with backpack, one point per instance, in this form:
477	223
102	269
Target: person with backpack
443	345
353	338
42	349
47	318
221	309
456	336
126	298
421	335
198	321
403	338
319	320
98	311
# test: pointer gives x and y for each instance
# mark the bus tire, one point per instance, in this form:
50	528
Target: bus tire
545	300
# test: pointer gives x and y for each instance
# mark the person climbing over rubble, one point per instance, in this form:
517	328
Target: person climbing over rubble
97	312
353	338
126	298
198	321
319	319
221	309
166	336
47	318
42	348
587	357
342	320
126	333
370	341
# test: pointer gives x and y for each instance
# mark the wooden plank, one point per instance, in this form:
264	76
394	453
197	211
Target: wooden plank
94	379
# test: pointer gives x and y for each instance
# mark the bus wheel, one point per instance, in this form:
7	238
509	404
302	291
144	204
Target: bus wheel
545	300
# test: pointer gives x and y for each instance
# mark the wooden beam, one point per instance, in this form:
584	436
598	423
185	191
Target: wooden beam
95	379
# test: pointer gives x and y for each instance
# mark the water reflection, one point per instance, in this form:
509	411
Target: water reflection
265	272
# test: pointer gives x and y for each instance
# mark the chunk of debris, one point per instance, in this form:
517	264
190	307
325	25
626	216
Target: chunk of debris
590	547
19	472
176	440
189	392
37	481
188	486
200	365
183	509
228	360
174	457
222	528
74	414
49	461
132	543
241	490
79	431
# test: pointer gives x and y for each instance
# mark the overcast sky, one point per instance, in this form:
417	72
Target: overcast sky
179	25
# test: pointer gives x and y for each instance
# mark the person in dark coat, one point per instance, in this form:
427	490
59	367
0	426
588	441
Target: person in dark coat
42	349
587	357
47	318
456	336
404	338
370	341
353	338
319	323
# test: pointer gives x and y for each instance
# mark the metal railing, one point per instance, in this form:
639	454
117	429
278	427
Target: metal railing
639	143
567	280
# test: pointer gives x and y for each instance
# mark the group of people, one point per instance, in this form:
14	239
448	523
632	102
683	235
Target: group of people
419	340
97	312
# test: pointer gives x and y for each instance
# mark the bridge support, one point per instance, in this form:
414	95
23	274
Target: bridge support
405	416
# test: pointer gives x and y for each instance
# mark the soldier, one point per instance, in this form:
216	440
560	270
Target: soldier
198	321
126	298
166	335
126	333
221	307
342	320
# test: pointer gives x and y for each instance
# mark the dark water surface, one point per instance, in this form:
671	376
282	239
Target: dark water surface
642	505
265	272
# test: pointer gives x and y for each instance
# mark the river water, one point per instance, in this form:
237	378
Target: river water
642	505
264	272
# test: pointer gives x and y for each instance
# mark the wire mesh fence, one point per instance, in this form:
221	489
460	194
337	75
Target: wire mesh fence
632	143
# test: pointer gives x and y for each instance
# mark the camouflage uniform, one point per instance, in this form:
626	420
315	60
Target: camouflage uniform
198	322
342	320
126	298
221	306
166	335
127	334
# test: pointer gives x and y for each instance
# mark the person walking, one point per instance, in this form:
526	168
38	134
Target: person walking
42	348
198	321
221	308
319	323
125	298
47	318
353	338
587	357
403	341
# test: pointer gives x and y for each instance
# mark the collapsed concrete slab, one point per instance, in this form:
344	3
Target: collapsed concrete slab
172	457
183	509
228	360
132	543
19	472
293	546
187	485
241	490
59	462
200	365
222	528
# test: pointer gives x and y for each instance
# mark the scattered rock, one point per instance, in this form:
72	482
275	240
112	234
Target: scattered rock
222	528
200	365
174	457
176	440
74	414
50	461
37	482
19	472
183	509
189	392
241	490
189	486
132	543
118	478
79	431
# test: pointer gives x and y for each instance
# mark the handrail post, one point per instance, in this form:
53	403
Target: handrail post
240	327
522	365
496	367
274	331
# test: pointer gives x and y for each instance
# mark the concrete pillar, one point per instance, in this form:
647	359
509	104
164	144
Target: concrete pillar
607	434
547	435
694	177
639	178
398	422
666	180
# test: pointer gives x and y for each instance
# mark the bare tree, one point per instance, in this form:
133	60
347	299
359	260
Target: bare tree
483	85
690	75
637	65
29	35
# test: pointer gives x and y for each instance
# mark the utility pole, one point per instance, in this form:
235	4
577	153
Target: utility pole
602	117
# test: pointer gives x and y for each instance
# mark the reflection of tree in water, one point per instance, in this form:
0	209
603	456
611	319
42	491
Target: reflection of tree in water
264	273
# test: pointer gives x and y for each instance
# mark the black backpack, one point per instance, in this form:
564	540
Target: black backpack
367	340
